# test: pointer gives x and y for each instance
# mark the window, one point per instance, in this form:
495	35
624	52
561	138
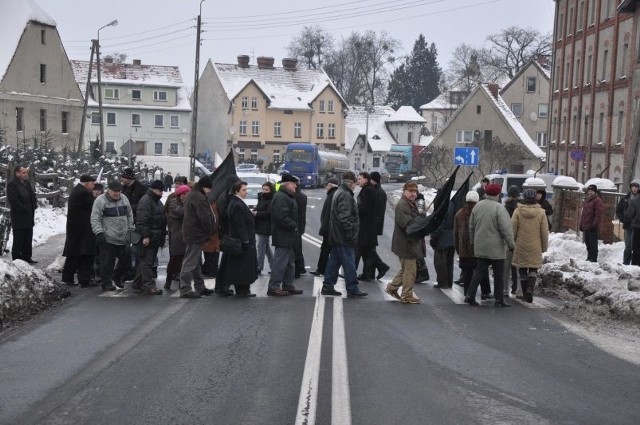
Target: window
136	95
601	129
244	102
592	12
542	139
111	93
478	109
160	96
570	22
556	77
464	136
605	59
158	120
331	131
574	128
110	146
277	129
43	73
254	103
157	148
543	110
241	156
623	66
516	108
243	128
576	76
135	120
43	120
560	21
434	124
254	155
409	137
43	37
173	149
288	112
619	136
588	69
580	15
95	118
111	118
19	119
566	75
330	107
320	130
297	130
322	106
607	12
276	155
531	84
175	121
255	128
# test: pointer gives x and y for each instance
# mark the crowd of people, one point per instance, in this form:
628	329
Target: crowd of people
114	236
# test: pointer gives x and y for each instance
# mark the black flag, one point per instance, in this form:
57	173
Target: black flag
220	176
460	198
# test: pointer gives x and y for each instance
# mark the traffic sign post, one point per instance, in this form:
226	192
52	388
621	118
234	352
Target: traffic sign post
466	156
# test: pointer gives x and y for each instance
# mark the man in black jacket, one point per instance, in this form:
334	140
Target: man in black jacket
367	235
22	204
80	242
330	187
380	211
284	233
301	200
132	189
151	226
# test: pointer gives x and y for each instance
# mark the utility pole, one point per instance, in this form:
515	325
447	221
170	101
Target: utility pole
194	107
100	96
83	122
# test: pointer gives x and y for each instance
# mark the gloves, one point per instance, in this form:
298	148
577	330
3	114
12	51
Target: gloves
101	239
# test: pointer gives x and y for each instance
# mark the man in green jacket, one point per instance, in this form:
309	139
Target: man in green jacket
491	231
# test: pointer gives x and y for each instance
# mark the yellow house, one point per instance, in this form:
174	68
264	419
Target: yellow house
256	110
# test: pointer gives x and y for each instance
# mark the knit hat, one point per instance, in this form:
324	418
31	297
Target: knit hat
593	187
115	185
493	189
529	195
333	180
289	178
128	173
182	189
157	184
635	182
375	176
513	191
472	196
205	181
98	186
86	178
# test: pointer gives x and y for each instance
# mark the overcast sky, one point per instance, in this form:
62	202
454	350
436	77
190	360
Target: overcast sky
162	32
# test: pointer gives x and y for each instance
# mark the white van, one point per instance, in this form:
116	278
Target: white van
177	165
508	180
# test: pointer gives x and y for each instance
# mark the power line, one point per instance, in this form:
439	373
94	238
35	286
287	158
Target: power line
286	13
155	37
134	34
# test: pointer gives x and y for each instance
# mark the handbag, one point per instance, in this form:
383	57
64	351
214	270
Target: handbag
231	245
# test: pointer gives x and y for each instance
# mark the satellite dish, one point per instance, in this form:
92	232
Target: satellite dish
232	130
533	116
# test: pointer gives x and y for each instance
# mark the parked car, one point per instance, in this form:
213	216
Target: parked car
252	195
247	168
256	178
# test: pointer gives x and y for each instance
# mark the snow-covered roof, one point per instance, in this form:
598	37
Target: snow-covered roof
601	184
15	16
540	65
126	74
512	121
406	114
356	125
440	102
284	88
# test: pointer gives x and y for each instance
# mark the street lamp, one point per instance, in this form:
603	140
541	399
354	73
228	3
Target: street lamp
110	24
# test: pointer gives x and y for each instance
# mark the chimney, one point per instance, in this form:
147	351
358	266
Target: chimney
289	64
108	59
265	62
243	61
494	89
137	62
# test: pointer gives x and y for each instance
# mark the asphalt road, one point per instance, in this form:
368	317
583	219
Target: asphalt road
127	359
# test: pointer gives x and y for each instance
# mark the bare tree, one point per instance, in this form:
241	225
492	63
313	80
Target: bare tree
438	163
311	46
464	71
499	155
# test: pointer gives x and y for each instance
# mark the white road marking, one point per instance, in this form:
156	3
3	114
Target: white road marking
312	240
455	294
340	397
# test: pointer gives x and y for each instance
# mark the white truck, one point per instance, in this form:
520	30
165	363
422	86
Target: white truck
177	165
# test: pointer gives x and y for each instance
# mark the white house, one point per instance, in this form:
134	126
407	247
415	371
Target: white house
143	103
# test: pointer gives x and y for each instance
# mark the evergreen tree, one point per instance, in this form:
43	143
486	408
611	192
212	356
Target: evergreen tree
415	82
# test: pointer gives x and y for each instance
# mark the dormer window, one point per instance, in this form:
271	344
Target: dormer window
160	96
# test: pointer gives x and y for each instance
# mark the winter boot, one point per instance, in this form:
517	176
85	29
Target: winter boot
167	285
531	284
522	290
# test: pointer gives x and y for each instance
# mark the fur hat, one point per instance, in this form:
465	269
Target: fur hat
513	191
593	187
529	195
98	186
205	181
472	196
375	176
128	173
85	178
157	184
289	178
635	182
493	189
115	185
333	180
182	189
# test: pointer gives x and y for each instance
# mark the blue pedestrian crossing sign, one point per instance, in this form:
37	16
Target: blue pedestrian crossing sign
466	156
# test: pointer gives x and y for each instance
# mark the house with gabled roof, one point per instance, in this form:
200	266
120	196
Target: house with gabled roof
437	112
257	110
39	97
485	121
370	133
527	94
146	104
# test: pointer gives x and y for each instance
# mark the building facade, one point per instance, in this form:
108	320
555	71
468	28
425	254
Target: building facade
144	104
592	108
257	110
437	112
40	102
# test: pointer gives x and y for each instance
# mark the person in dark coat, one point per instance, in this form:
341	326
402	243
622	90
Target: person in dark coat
221	206
301	200
367	235
592	213
263	224
151	226
242	270
510	271
380	211
331	186
541	199
132	189
80	242
175	217
462	239
441	241
168	182
285	235
621	209
22	206
197	228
